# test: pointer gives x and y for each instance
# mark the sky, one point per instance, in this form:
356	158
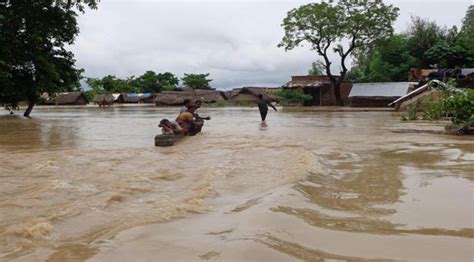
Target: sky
235	41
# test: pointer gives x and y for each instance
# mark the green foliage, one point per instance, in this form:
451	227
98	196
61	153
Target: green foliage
327	25
425	44
317	69
412	112
220	103
457	105
33	54
149	82
111	84
146	83
387	60
197	81
292	97
423	35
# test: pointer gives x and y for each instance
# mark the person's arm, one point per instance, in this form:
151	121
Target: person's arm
270	104
201	118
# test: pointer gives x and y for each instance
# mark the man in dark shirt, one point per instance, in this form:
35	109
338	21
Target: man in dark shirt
263	106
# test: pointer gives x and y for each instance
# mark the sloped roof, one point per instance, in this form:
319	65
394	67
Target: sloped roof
467	71
389	89
250	90
68	98
104	97
177	97
419	90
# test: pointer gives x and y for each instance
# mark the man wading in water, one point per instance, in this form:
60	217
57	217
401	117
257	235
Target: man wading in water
263	107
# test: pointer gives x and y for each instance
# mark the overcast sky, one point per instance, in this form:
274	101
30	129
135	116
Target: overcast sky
234	41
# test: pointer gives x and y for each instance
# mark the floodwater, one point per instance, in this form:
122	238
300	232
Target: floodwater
88	184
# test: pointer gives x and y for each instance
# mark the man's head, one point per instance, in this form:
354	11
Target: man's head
186	102
260	96
198	103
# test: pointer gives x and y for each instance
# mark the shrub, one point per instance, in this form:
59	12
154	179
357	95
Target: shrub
291	97
458	105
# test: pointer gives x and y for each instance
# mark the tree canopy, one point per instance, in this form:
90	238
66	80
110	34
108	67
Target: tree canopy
326	26
424	45
33	54
197	81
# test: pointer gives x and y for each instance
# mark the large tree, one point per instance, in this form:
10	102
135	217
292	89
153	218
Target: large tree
33	54
197	81
343	27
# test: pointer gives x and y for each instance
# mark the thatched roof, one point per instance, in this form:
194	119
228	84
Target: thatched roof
72	98
308	81
107	98
177	97
251	90
129	98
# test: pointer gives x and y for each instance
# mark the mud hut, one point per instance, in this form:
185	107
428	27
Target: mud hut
104	100
249	95
377	94
72	98
208	96
320	88
128	98
146	98
173	98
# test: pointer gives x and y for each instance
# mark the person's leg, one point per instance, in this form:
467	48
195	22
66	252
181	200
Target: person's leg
263	115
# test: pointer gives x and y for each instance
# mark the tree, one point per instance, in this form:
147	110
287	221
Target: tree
33	57
316	69
465	40
167	81
328	25
147	83
112	84
197	81
387	60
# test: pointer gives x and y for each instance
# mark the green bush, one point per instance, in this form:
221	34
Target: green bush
457	105
292	97
412	112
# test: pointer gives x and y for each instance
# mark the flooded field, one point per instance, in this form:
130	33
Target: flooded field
88	184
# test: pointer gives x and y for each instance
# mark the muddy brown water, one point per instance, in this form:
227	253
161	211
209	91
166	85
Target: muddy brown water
88	184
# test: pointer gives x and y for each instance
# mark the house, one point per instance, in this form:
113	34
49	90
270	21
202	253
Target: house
146	98
422	96
466	78
104	100
72	98
377	94
127	98
320	88
249	95
207	96
167	98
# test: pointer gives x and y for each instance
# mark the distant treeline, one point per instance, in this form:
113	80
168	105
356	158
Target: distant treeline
149	82
424	45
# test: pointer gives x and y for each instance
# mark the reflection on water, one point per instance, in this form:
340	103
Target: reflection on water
88	183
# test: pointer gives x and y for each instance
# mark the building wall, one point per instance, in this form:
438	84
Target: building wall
81	101
329	98
371	101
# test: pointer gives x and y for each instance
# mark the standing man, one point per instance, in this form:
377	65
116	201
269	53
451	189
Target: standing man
263	106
